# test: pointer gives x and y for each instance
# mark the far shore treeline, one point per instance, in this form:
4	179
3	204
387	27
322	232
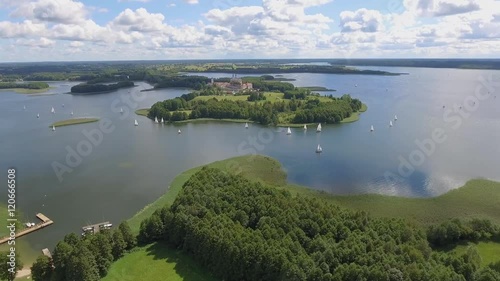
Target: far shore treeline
28	85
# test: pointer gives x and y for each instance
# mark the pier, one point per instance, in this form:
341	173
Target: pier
45	222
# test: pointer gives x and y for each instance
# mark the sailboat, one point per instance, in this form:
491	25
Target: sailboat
319	128
162	120
52	110
246	125
390	123
395	118
38	115
305	127
372	129
121	110
63	105
24	107
136	123
319	149
53	128
179	132
289	132
71	113
156	119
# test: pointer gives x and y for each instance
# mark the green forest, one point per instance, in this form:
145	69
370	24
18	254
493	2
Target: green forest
244	230
300	104
30	85
95	88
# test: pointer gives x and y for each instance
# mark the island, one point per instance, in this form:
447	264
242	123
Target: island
86	88
257	99
74	121
25	87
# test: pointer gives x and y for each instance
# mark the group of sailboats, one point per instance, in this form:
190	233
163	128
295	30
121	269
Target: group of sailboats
390	123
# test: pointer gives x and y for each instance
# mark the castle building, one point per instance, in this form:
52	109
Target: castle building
234	85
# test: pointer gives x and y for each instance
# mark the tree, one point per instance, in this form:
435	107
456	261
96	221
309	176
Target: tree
10	263
42	269
62	253
119	244
81	265
101	246
129	238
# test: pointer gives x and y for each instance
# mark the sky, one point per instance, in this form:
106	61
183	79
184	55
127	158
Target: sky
71	30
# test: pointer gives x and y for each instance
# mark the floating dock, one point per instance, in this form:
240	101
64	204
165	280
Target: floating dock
95	228
45	222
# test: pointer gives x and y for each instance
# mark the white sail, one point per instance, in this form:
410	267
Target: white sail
319	128
24	107
156	119
63	105
390	123
136	123
179	132
121	110
71	113
162	120
246	125
319	149
305	127
53	128
372	129
52	110
395	117
289	132
38	115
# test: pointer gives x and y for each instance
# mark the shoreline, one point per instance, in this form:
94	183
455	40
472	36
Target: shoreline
74	121
26	91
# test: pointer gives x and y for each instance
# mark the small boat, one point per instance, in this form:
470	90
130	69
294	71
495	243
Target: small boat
52	110
24	107
136	123
179	131
71	113
395	118
390	123
246	125
372	129
318	129
162	120
319	149
289	132
38	115
305	127
356	85
63	105
121	110
156	119
53	128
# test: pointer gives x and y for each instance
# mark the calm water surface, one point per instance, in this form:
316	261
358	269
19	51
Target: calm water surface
132	166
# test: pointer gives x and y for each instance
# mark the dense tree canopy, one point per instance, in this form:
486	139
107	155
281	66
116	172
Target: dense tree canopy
30	85
243	230
94	88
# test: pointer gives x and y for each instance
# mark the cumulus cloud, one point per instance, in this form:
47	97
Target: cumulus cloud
54	11
36	43
139	20
437	8
191	2
22	29
361	20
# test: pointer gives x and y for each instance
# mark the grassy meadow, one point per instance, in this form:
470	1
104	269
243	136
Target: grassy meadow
74	121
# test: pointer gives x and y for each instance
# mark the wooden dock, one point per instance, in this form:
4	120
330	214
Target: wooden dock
45	222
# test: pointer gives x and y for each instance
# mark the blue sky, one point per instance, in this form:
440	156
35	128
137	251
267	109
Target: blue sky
53	30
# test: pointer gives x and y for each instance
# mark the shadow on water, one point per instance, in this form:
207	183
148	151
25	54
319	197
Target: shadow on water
185	266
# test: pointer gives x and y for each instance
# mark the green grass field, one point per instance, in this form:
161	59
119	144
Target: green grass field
477	199
74	121
27	91
157	262
489	251
142	112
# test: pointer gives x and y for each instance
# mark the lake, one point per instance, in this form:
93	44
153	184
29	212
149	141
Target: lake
127	167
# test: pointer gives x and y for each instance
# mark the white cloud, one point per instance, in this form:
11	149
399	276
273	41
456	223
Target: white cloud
191	2
437	8
36	43
22	29
54	11
139	20
361	20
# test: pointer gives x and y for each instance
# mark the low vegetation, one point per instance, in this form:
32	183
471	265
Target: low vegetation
74	121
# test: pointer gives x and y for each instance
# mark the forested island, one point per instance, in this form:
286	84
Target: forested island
269	103
25	87
238	219
100	88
